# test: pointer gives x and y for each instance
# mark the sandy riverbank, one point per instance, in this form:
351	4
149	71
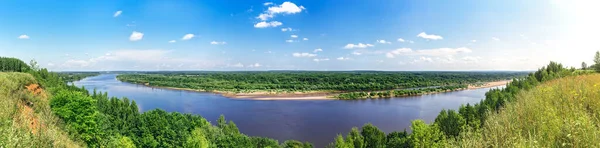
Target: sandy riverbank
490	84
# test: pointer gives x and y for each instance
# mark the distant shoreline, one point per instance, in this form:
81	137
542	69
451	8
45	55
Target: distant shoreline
313	95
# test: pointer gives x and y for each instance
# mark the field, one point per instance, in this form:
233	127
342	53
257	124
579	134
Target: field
559	113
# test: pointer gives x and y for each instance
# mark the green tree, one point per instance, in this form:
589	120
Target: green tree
597	61
397	140
583	66
125	142
450	122
295	144
340	143
79	112
197	140
374	138
357	139
424	135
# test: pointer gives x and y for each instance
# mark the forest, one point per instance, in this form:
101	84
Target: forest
304	81
93	119
75	76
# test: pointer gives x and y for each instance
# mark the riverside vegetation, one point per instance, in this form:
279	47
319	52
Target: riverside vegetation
346	85
552	107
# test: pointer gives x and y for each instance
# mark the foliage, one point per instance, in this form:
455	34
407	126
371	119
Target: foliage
79	112
13	65
290	81
398	92
76	76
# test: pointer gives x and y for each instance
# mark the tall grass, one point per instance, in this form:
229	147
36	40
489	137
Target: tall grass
559	113
15	124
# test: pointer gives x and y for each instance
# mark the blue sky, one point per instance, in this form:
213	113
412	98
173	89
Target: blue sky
299	35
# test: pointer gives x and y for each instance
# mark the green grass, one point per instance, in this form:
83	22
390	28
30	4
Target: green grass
15	124
559	113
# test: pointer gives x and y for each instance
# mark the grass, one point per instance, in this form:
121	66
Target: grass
25	118
559	113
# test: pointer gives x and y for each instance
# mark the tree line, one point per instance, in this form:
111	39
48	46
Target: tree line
290	81
398	92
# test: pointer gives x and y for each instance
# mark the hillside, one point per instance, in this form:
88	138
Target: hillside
25	116
558	113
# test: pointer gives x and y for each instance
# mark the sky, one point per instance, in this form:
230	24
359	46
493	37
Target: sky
255	35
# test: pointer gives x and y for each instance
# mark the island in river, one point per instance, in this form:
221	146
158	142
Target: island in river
294	85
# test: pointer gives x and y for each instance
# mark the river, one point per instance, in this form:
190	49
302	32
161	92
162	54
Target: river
315	121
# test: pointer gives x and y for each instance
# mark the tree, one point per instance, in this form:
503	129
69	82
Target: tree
450	122
597	61
357	139
583	66
397	140
125	142
197	140
374	138
340	143
424	135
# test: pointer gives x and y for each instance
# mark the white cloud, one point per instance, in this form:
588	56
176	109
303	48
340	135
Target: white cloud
429	36
289	41
305	39
118	13
320	60
473	41
399	51
172	41
428	52
284	8
356	53
317	50
411	41
401	40
495	39
188	36
236	65
426	59
343	58
136	36
471	59
24	36
294	36
286	29
359	45
264	24
383	42
303	54
268	3
255	65
217	43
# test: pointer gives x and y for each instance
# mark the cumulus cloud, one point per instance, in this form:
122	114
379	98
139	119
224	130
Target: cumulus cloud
217	43
320	60
429	36
383	42
305	39
24	36
268	3
239	65
300	55
401	40
286	29
136	36
289	41
428	52
284	8
188	36
264	24
425	59
343	58
172	41
356	53
118	13
317	50
294	36
359	45
495	39
471	59
473	41
255	65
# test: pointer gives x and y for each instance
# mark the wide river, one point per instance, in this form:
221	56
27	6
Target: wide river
315	121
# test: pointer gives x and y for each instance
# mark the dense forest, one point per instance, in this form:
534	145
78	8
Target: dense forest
93	119
290	81
75	76
398	92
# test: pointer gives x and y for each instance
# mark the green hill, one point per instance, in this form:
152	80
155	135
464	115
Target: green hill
558	113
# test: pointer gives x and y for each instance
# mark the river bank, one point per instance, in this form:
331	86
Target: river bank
310	95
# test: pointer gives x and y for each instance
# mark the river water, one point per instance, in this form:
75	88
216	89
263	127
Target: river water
315	121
